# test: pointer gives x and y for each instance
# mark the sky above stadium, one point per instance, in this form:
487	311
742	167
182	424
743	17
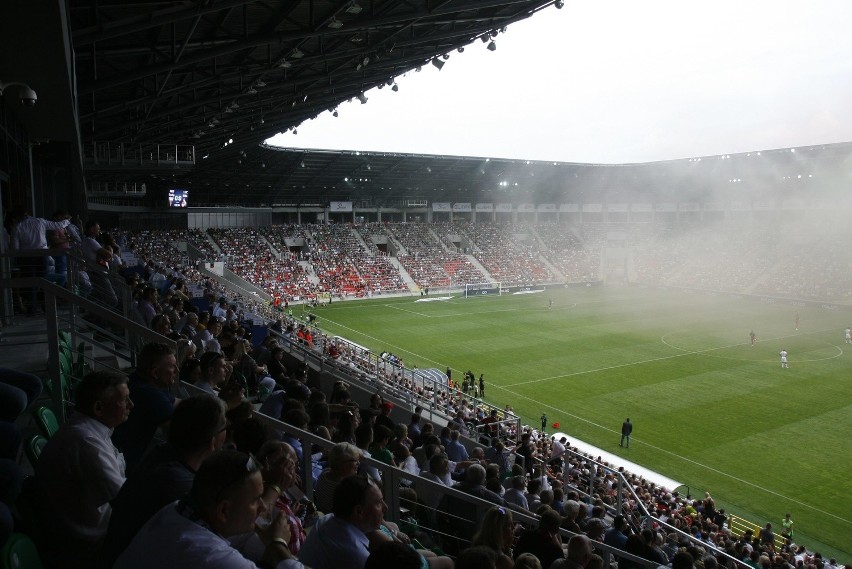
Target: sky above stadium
616	81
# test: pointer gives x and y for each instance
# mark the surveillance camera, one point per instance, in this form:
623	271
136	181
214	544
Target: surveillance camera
28	96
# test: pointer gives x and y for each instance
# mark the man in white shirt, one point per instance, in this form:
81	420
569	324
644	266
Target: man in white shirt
31	233
783	355
226	500
80	471
557	448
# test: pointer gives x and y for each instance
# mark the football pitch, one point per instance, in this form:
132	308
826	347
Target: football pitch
708	408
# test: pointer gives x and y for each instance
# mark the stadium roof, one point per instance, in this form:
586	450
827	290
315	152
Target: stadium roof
133	87
130	77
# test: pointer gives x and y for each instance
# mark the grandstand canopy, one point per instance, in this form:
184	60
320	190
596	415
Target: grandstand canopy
119	78
147	94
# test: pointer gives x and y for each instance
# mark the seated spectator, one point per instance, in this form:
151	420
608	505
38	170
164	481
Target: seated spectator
156	371
616	536
515	495
578	554
497	532
343	461
458	515
439	472
339	539
455	450
479	557
214	372
281	455
528	561
225	500
275	365
543	542
167	471
80	471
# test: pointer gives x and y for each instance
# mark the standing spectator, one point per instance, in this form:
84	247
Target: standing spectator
767	537
626	430
80	471
543	422
31	233
95	254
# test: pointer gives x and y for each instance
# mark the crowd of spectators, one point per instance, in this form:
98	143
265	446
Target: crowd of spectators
429	263
345	267
508	252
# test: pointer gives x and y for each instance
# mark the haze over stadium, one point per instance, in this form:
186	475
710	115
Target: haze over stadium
603	210
620	81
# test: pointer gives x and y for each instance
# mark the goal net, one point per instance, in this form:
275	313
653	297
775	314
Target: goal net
482	289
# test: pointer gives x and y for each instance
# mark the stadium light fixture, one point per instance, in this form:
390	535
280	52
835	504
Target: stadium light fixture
335	24
354	8
334	113
363	98
395	88
492	46
438	63
559	4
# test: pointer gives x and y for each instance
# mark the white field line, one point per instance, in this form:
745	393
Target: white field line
662	358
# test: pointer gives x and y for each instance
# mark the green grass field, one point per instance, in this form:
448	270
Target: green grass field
708	409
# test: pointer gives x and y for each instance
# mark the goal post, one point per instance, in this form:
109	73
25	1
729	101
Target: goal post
482	289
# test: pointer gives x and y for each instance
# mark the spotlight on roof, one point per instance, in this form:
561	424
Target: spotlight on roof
492	46
335	24
354	8
438	63
461	49
296	54
363	98
559	4
334	113
395	88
